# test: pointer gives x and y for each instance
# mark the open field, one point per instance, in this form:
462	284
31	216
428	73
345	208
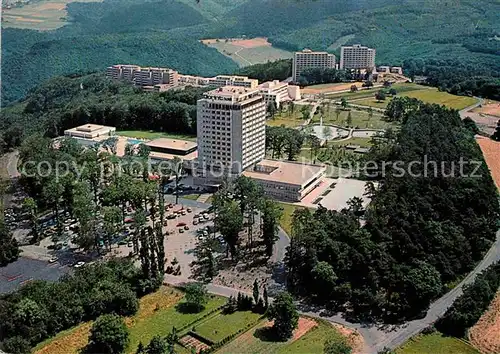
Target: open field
485	333
360	119
491	152
490	107
219	327
248	51
256	341
363	142
40	15
323	88
436	343
427	96
156	316
287	119
150	135
400	88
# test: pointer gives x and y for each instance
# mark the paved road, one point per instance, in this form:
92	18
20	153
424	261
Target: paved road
463	112
15	274
376	337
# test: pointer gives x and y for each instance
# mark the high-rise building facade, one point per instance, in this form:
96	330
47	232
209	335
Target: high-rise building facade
231	130
309	59
357	57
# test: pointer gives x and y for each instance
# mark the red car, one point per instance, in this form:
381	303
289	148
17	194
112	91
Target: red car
181	224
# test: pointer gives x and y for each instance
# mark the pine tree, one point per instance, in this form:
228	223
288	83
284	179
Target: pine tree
266	297
256	292
496	134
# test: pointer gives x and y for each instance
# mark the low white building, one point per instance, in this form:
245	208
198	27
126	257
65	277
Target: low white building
286	181
89	134
278	92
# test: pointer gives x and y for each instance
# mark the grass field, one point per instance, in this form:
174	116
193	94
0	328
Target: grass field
156	316
190	196
253	341
248	51
150	135
400	88
436	344
360	119
431	95
287	119
39	15
363	142
286	218
219	327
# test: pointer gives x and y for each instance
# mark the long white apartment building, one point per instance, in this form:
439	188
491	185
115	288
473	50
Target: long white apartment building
357	57
231	132
279	92
219	81
309	59
143	76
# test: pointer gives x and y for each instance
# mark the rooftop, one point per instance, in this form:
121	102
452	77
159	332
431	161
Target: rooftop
285	172
174	144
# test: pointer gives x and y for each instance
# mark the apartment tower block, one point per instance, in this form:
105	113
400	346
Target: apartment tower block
309	59
231	131
357	57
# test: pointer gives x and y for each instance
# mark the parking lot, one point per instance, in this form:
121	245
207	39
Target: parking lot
185	226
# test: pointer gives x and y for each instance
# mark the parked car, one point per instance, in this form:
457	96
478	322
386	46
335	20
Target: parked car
79	264
181	230
189	210
186	227
195	222
53	260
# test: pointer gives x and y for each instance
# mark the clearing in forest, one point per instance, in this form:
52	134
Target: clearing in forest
485	334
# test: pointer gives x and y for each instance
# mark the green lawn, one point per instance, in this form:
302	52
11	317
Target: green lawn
194	196
255	341
157	314
363	142
436	344
286	218
161	323
431	95
150	135
287	119
359	118
219	327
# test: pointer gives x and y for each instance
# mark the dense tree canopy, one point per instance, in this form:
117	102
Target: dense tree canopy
65	102
41	309
424	228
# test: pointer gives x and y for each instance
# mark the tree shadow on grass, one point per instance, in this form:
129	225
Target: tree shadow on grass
266	334
186	308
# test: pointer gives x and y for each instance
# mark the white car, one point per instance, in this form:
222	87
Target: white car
79	264
53	260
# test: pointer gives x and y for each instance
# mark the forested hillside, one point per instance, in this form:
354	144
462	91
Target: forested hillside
64	102
166	33
131	31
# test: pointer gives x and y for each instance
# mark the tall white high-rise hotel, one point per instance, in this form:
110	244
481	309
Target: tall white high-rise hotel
308	59
357	57
231	130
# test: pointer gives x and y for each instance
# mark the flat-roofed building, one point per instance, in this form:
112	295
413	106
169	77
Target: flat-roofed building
231	132
143	76
231	80
122	71
278	92
165	149
308	59
357	57
89	134
286	181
